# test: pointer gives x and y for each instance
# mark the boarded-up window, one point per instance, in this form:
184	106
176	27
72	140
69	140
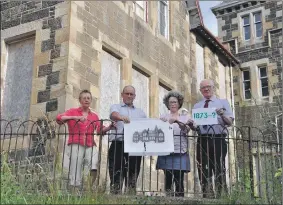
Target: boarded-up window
109	83
18	80
141	84
162	92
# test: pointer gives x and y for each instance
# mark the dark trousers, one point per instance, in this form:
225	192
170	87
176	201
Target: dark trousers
211	152
122	166
178	177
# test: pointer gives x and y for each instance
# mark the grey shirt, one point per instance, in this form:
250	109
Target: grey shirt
124	110
216	103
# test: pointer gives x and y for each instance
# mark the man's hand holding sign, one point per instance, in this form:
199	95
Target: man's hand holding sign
205	116
208	116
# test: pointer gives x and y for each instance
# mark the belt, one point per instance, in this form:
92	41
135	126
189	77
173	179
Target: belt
177	154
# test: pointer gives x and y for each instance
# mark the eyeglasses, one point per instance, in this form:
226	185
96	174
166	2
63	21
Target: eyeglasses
206	87
86	98
130	94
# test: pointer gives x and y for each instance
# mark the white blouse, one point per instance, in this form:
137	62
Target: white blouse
181	141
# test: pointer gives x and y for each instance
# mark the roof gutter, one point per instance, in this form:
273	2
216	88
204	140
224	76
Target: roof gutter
225	5
221	45
202	27
199	12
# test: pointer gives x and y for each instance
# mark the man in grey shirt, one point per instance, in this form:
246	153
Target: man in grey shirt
211	144
121	165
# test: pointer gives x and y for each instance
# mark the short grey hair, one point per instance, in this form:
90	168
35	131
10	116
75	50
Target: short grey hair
128	86
175	94
211	82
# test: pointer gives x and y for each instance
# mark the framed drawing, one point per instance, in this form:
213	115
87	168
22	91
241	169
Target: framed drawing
148	137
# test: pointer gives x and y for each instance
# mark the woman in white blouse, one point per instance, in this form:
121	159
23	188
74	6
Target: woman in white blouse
176	164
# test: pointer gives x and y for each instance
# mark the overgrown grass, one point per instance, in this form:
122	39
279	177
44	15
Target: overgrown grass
13	192
36	185
241	193
43	190
27	192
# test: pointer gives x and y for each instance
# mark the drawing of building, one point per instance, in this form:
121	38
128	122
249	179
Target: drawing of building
147	135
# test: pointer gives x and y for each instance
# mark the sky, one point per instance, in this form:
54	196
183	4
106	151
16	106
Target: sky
208	17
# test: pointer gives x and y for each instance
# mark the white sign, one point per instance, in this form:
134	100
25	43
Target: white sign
205	116
148	137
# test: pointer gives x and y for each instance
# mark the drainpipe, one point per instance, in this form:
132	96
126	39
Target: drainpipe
232	90
277	131
234	169
282	136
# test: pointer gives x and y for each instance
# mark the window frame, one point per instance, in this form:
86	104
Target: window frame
144	7
261	78
7	50
235	40
246	25
252	24
243	83
255	23
166	3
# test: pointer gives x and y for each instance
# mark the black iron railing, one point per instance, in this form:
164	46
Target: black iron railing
40	157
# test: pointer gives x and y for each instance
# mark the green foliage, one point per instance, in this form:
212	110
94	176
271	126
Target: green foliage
278	174
11	191
34	186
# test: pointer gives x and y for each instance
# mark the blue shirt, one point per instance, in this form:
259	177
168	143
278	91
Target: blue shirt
216	103
124	110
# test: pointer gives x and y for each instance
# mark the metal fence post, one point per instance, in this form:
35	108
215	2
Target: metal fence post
99	154
282	132
251	163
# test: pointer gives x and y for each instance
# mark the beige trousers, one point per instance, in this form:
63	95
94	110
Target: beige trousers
82	160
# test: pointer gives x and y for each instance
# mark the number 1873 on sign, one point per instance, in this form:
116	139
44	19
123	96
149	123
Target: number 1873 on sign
205	116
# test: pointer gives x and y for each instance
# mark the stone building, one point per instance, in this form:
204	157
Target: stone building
253	32
51	50
212	60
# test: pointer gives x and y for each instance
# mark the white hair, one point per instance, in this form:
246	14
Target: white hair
210	81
